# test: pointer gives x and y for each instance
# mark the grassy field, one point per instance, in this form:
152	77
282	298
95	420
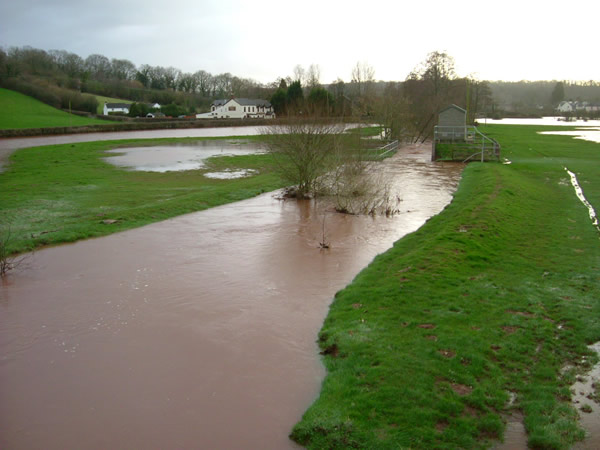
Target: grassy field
101	100
489	300
21	111
63	193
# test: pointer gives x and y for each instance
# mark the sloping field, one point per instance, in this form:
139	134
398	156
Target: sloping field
20	111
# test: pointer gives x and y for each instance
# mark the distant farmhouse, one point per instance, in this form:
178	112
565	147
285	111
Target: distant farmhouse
239	108
123	108
570	106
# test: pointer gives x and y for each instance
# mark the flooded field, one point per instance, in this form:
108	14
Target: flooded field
587	134
558	121
190	156
196	332
9	145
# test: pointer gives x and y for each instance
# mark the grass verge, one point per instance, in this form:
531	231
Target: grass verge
490	298
63	193
20	111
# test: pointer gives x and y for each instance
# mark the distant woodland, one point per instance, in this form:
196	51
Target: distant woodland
66	80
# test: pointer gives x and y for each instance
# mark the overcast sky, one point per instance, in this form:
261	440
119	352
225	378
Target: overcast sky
264	39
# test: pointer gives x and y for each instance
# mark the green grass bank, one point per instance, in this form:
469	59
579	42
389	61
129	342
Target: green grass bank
20	111
64	193
489	300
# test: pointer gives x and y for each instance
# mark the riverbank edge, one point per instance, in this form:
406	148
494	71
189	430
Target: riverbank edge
153	124
484	303
41	180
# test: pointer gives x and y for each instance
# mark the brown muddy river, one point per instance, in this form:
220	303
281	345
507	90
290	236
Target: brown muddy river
196	332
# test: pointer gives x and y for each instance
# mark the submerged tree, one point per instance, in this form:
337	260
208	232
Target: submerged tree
319	159
304	152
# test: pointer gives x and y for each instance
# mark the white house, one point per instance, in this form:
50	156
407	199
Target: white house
570	106
116	108
565	106
239	108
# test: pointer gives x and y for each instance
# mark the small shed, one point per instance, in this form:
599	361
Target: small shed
453	116
452	123
454	140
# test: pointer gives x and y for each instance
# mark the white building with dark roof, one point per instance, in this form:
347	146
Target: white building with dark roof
239	108
116	108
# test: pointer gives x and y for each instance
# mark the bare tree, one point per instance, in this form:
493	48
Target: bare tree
299	74
123	69
187	82
98	66
304	152
313	76
391	109
8	261
363	79
203	79
363	75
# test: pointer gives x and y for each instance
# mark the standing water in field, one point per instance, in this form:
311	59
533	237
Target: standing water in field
189	156
196	332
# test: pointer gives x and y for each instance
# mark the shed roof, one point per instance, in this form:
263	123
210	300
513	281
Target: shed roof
464	111
118	105
244	102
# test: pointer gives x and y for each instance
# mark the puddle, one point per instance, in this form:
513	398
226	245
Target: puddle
195	332
557	121
177	157
515	435
581	197
587	134
229	175
584	390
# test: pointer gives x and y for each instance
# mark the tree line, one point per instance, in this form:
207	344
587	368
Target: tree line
407	107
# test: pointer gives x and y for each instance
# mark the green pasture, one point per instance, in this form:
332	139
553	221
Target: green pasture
21	111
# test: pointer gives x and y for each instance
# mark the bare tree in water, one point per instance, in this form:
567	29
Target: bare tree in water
305	150
8	261
318	159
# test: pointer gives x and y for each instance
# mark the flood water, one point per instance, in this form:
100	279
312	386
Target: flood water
558	121
9	145
196	332
189	156
587	134
586	392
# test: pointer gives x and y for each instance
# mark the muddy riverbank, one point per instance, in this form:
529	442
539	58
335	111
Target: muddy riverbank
194	332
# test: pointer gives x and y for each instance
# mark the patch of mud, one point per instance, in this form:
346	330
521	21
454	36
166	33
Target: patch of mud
447	353
515	435
586	399
461	389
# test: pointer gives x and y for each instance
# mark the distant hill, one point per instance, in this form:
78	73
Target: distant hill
20	111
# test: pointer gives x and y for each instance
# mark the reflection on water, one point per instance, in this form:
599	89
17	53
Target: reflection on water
190	156
196	332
